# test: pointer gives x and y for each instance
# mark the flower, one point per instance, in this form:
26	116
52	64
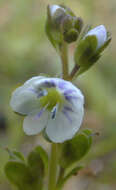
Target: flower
50	104
101	34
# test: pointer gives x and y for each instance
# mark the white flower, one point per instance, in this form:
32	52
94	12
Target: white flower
101	34
52	104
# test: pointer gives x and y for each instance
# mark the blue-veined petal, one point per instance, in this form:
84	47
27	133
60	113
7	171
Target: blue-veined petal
35	122
23	100
64	126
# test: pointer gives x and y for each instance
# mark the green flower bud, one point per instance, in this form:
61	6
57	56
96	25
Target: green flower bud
79	24
62	25
71	35
90	48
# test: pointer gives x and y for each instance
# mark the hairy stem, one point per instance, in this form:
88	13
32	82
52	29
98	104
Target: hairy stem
74	71
64	59
53	167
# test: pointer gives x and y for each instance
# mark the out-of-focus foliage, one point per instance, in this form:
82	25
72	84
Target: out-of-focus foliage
25	51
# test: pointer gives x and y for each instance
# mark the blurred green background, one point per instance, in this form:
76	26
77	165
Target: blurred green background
25	52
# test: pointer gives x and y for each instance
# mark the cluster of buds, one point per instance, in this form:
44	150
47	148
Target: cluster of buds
62	24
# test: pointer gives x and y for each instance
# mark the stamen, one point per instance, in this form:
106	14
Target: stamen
54	111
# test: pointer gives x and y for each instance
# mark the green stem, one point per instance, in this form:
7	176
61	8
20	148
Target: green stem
53	167
64	59
74	71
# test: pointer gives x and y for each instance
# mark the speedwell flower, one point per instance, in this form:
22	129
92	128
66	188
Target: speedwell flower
50	104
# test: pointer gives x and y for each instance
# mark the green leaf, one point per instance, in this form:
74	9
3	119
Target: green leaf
15	155
74	149
88	133
38	162
19	175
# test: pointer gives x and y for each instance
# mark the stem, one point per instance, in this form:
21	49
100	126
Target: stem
53	167
59	181
74	71
64	59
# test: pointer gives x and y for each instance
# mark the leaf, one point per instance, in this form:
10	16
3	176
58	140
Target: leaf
15	155
38	162
88	132
75	149
74	171
19	175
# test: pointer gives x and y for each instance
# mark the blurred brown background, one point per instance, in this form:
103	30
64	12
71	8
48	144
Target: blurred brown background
25	52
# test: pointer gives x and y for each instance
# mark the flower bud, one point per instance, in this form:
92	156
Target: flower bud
62	25
71	35
90	47
57	13
100	33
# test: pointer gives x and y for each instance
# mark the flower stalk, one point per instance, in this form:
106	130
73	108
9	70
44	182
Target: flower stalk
64	60
73	72
53	166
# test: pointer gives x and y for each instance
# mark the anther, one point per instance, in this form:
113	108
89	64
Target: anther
54	111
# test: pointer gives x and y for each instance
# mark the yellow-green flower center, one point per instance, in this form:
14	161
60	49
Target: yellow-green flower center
52	98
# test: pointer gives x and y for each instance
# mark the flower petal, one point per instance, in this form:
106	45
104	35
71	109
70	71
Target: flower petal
64	126
31	81
23	100
101	33
35	122
53	9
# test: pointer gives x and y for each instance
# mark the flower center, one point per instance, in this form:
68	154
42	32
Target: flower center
52	98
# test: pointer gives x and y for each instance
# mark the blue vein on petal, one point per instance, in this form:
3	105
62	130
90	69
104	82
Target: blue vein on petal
40	94
49	84
62	85
69	91
69	98
40	113
67	116
67	108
